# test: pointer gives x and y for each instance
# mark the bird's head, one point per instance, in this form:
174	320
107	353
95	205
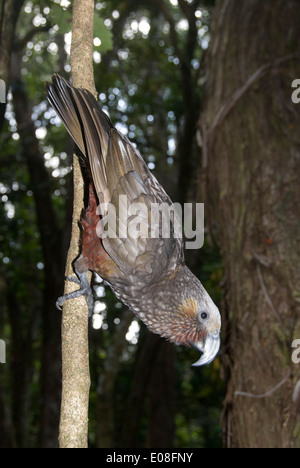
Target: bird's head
188	317
195	319
200	326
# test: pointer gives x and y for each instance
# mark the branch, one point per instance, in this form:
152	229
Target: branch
19	44
266	394
185	8
266	294
233	100
75	354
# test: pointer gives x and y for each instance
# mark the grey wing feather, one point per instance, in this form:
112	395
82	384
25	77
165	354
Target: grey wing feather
117	169
59	96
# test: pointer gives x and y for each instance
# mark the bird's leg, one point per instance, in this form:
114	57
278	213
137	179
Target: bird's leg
93	256
90	243
84	290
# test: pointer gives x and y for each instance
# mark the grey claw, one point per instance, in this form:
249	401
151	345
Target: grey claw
85	290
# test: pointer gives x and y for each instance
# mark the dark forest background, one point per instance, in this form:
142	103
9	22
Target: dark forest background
204	90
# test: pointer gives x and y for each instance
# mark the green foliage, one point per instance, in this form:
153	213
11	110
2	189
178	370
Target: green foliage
61	17
105	35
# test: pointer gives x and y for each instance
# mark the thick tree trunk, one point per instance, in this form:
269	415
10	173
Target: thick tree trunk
251	155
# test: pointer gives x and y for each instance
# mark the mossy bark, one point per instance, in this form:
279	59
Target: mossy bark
251	148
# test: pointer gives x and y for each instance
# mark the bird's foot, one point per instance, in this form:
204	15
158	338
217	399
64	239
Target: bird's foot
84	290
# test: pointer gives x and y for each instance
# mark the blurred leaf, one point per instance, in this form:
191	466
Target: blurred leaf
62	17
104	34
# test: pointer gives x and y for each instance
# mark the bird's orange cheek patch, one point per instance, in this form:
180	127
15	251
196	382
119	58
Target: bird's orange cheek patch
189	307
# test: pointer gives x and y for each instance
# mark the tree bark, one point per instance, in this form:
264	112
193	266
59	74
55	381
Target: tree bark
75	354
251	154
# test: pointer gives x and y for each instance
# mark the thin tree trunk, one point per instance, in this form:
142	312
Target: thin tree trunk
8	439
9	13
155	364
161	394
51	242
251	148
106	385
75	355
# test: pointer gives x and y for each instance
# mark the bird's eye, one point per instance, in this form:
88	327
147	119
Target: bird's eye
204	315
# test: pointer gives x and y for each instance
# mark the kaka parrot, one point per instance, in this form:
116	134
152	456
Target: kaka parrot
147	274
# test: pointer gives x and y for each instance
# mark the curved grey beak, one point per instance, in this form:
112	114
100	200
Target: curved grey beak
209	349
